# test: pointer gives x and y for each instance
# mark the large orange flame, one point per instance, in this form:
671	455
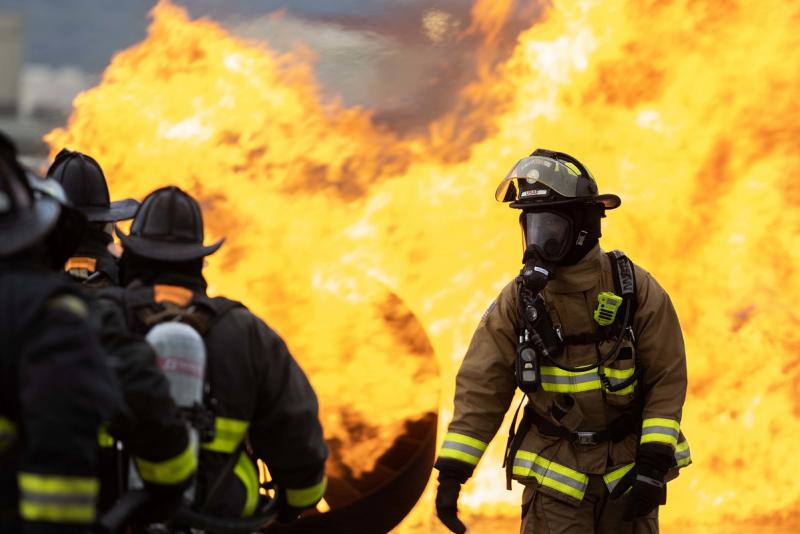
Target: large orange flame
687	109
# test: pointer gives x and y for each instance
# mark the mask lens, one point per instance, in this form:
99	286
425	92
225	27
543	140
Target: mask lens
547	231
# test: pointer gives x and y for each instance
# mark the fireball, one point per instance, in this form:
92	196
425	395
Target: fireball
686	109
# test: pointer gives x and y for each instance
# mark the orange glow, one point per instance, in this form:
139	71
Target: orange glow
687	109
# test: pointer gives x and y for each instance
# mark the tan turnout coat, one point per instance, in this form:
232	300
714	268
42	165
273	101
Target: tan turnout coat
485	383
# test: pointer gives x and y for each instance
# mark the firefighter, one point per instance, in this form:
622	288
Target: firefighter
82	178
150	425
55	386
595	344
261	401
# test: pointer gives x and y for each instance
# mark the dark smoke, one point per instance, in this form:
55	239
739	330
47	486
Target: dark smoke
389	60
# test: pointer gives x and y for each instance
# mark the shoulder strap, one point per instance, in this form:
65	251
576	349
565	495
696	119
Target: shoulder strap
622	271
217	308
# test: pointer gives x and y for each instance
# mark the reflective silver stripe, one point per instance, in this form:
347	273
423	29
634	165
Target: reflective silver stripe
682	454
615	381
547	473
578	379
61	499
650	480
454	445
664	430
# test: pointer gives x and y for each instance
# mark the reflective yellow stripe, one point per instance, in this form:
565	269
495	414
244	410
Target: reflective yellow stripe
556	380
245	471
618	373
57	498
228	434
625	391
303	498
8	433
612	478
466	440
459	455
683	456
462	447
660	430
171	471
550	474
55	484
104	439
55	513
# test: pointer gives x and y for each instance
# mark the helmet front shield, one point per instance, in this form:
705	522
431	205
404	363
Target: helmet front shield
527	173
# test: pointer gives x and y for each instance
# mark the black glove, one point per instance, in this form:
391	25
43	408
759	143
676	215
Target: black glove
286	512
646	480
447	502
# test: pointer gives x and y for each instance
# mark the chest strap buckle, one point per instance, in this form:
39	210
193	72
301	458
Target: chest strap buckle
585	438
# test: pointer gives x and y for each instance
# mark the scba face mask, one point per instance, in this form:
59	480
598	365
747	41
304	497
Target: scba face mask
561	236
547	233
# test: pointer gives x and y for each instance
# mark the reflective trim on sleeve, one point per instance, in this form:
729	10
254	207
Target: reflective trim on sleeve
245	471
618	376
228	433
683	455
557	380
104	439
660	430
550	474
57	498
303	498
171	471
462	447
8	433
70	304
612	478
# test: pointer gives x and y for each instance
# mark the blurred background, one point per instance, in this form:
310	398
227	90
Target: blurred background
350	150
403	59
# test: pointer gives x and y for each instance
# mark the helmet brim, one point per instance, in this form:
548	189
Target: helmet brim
609	201
174	251
120	210
28	228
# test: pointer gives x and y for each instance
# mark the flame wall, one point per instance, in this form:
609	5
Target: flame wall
686	109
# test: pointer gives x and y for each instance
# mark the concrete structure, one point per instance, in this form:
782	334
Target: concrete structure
10	61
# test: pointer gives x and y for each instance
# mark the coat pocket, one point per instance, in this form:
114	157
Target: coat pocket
621	376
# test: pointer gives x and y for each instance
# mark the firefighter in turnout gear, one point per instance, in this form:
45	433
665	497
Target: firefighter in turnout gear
83	180
55	386
595	344
258	401
149	423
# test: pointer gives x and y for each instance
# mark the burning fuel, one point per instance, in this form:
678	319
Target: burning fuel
686	109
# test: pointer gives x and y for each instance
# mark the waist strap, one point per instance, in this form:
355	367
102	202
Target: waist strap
618	430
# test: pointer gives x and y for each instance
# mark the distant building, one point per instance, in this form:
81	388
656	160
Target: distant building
10	61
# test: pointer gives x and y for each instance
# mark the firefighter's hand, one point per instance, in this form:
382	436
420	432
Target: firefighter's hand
447	504
646	480
646	495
